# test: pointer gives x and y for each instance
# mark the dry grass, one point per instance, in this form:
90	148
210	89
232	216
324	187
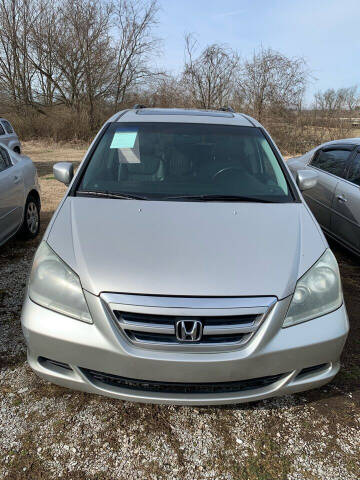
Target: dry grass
45	155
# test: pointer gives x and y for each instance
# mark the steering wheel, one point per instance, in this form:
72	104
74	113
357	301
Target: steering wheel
225	171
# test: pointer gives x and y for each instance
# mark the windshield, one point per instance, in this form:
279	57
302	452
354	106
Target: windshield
179	161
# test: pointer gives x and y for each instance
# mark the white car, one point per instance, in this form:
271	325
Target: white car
8	136
19	195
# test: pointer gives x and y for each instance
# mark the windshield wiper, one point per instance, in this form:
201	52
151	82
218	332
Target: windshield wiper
106	194
197	198
218	198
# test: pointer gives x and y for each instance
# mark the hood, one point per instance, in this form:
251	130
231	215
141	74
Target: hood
186	248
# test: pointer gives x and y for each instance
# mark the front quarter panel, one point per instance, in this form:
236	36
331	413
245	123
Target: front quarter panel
13	143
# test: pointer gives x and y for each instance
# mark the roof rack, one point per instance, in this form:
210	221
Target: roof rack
227	109
137	106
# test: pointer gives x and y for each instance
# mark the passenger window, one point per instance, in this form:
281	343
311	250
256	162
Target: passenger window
354	174
332	161
2	131
3	160
7	127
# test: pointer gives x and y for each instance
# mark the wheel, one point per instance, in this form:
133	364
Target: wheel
31	223
16	150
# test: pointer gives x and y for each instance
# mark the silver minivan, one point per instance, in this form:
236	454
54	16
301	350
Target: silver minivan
183	266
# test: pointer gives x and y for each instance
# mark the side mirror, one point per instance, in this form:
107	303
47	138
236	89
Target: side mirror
64	172
306	179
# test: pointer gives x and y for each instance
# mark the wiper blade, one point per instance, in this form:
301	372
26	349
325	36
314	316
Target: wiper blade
197	198
217	198
123	196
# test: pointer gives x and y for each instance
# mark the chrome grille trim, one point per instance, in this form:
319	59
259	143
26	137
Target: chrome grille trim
146	327
188	302
227	329
167	345
228	323
208	329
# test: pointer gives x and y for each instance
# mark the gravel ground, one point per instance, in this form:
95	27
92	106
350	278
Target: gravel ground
48	432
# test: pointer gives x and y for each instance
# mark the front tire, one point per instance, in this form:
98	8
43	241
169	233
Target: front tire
31	223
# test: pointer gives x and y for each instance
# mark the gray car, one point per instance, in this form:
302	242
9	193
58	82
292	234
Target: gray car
8	136
335	199
183	266
19	196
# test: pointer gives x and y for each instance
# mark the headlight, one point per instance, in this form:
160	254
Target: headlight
317	292
55	286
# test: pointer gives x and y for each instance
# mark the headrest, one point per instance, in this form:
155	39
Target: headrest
148	165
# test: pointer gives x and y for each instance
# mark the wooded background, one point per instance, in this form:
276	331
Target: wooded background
67	65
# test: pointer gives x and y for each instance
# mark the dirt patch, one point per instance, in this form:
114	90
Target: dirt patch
48	432
45	156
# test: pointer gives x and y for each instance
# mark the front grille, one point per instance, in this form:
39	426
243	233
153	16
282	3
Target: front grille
161	329
171	339
187	323
175	387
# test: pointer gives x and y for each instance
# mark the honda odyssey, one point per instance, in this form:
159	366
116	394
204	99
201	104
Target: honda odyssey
183	266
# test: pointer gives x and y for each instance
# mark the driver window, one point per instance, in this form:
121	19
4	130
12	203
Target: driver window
332	161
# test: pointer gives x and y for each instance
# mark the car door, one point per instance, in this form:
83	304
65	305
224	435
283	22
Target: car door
345	220
330	164
11	196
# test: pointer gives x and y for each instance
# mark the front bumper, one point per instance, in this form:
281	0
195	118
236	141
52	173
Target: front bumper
100	347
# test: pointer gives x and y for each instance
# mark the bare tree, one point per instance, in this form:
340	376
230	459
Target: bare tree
332	101
209	76
166	90
133	23
91	49
45	41
16	73
327	100
272	80
352	97
71	52
75	52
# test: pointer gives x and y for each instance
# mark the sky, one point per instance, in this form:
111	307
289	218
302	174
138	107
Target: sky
326	33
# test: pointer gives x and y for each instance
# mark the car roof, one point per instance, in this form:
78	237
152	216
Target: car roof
183	115
345	141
